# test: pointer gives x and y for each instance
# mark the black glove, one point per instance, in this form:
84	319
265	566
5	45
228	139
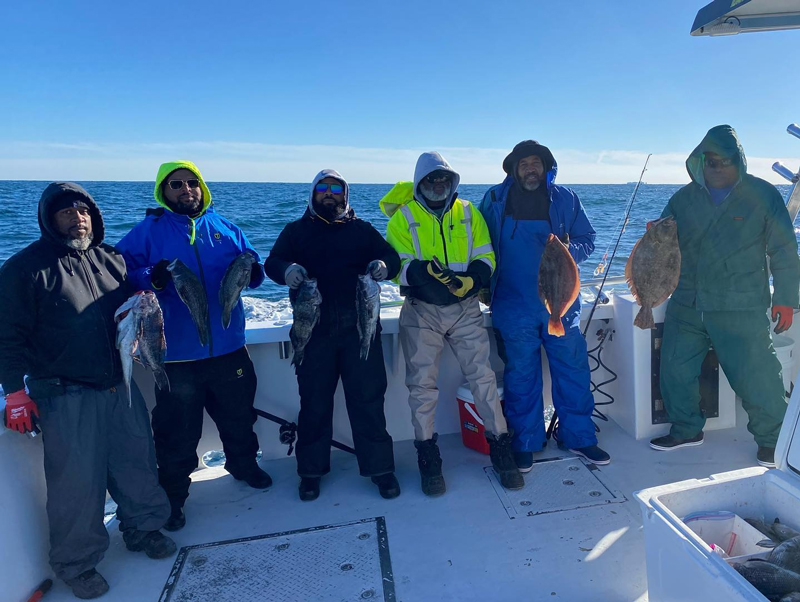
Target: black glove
255	274
160	275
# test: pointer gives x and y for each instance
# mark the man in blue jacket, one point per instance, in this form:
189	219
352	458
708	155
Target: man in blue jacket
521	213
217	376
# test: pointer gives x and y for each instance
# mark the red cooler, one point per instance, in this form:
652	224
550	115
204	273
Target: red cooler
472	431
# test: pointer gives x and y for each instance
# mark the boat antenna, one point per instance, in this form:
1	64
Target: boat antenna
606	268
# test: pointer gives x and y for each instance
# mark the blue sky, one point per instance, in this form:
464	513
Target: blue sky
276	90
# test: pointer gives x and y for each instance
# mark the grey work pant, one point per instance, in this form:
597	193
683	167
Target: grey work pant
424	330
93	442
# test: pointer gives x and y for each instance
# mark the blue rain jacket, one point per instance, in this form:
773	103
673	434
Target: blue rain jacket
567	216
520	319
217	242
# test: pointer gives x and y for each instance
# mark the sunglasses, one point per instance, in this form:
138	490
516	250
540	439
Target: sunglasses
178	184
334	188
715	163
437	178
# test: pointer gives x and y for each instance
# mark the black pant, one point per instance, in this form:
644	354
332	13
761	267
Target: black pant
226	387
96	441
326	359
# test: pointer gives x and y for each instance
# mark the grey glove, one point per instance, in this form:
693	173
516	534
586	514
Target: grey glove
378	270
294	275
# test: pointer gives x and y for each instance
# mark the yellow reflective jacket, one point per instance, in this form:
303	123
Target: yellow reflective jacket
460	238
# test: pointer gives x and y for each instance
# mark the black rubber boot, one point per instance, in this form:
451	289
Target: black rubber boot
177	519
430	466
309	488
503	461
255	477
88	585
387	485
153	543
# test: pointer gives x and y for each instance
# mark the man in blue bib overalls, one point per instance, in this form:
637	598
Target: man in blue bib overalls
521	213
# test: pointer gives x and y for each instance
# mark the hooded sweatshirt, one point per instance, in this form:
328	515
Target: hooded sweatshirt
724	246
207	243
335	253
58	303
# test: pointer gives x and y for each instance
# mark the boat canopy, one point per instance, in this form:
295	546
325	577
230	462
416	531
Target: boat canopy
728	17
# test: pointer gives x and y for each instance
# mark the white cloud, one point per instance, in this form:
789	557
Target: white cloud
243	161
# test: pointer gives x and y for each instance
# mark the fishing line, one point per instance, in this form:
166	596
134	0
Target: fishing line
605	269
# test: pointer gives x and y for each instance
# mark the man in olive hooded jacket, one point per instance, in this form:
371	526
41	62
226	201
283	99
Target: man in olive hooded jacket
729	223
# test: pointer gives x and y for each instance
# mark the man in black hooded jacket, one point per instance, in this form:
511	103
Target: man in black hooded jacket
331	244
57	328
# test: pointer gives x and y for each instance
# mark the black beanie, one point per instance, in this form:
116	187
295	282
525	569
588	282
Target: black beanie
67	199
526	148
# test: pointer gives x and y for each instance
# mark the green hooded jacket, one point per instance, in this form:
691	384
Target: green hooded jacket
724	247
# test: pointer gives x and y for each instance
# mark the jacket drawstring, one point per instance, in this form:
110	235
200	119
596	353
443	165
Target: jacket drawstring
95	269
64	260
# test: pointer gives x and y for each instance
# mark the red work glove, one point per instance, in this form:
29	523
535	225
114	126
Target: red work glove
783	315
20	410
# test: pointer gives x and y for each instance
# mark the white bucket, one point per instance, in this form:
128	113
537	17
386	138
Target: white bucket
784	349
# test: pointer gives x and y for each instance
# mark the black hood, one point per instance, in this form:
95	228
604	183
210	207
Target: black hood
527	148
49	196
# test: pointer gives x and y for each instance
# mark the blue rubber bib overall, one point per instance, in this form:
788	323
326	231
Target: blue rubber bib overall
520	319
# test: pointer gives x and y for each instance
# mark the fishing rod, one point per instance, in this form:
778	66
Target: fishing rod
606	268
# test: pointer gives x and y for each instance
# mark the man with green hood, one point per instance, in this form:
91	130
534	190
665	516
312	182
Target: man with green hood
216	375
729	223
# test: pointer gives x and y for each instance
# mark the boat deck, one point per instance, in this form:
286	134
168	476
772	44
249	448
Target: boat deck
461	546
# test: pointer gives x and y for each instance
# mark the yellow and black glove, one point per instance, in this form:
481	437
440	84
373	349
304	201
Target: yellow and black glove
444	275
467	283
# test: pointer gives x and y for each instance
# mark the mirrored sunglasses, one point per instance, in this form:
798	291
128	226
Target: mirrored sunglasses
334	188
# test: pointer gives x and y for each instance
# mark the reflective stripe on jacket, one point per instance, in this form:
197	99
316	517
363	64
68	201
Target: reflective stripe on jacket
457	239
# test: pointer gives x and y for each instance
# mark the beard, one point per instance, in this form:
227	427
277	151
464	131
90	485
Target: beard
430	194
530	183
330	212
80	244
189	208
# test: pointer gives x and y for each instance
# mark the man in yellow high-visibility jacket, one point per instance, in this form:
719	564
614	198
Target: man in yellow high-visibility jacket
447	257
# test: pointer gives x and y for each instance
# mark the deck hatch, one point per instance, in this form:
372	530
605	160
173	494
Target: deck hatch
349	561
555	485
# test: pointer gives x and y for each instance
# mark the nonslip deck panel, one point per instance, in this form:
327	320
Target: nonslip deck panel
555	485
349	561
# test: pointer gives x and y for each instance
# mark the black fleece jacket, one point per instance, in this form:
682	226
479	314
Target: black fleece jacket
335	253
57	307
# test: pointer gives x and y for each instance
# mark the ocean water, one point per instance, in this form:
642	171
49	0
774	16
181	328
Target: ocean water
261	210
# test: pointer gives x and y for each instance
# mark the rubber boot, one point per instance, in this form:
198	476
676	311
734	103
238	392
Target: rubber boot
430	466
503	461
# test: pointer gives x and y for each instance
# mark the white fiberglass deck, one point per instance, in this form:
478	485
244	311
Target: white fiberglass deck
461	546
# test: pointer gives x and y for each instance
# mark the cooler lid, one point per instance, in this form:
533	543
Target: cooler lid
787	451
